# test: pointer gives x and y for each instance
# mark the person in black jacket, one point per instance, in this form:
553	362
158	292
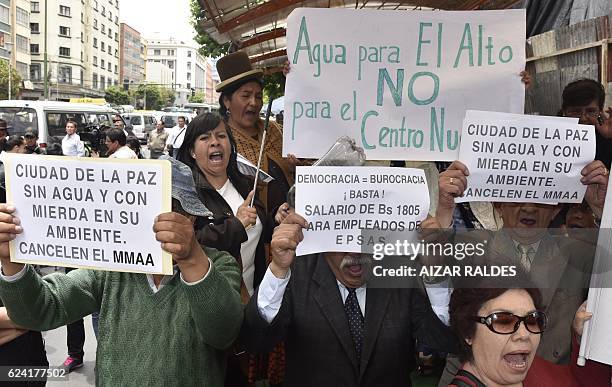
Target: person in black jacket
337	330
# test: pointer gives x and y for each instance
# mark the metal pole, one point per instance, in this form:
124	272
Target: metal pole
46	75
9	78
145	97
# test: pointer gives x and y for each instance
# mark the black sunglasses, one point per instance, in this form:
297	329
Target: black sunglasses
506	323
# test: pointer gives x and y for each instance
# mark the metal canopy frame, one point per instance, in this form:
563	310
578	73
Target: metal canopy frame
258	27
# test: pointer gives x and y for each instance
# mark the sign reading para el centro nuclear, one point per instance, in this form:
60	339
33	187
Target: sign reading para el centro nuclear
398	82
89	213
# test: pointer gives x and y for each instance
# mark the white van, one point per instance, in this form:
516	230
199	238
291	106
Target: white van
49	119
170	120
142	123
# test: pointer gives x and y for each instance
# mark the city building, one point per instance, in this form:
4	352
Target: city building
188	68
15	37
131	56
212	78
82	47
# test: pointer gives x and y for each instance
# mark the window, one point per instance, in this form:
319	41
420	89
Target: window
82	18
23	17
64	51
102	63
116	37
102	47
35	28
110	66
95	44
94	79
64	11
95	7
116	70
82	40
81	81
4	14
65	74
95	60
110	16
170	52
189	76
35	72
34	49
95	25
110	33
116	53
103	11
189	85
22	69
188	65
171	65
64	31
23	44
103	28
116	20
102	83
188	54
155	52
35	7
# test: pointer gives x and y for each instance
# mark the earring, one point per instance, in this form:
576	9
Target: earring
193	155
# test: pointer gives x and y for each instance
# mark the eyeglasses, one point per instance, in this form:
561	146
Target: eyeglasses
506	323
578	112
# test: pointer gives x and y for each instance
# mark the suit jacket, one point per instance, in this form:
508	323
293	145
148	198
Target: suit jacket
319	348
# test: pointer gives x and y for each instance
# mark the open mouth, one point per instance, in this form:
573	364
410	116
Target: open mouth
355	270
517	360
250	114
216	157
529	222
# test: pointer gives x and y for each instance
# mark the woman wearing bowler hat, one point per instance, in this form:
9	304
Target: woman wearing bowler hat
240	102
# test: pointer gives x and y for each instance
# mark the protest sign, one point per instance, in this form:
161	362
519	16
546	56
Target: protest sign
520	158
597	335
89	213
340	202
398	82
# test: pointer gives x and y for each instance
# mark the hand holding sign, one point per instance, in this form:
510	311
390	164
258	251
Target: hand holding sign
9	229
246	214
451	184
285	240
595	177
176	234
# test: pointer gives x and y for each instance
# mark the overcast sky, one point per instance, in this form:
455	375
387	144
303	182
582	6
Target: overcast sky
169	18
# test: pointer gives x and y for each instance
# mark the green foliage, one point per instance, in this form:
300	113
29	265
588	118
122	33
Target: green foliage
197	98
208	47
167	96
274	86
116	95
15	79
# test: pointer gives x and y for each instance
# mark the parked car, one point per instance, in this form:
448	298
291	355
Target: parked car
142	124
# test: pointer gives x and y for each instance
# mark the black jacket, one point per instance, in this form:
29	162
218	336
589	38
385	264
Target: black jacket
226	232
319	348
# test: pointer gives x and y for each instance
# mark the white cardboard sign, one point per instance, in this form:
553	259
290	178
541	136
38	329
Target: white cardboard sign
340	202
522	158
89	213
398	82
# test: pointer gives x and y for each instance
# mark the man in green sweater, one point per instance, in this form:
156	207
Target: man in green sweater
154	330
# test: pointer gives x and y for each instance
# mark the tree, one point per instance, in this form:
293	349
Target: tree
208	46
15	81
153	95
197	98
274	85
116	95
167	96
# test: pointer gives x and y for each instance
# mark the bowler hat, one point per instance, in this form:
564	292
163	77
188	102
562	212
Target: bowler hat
235	67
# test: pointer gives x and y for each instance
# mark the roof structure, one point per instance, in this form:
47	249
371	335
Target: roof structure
259	26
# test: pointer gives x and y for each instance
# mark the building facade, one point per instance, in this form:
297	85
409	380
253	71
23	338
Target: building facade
188	68
15	37
131	56
82	47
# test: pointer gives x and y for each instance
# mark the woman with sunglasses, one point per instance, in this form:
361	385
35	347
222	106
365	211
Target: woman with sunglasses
500	330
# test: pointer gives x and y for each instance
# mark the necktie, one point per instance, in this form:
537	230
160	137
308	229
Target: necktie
355	320
526	254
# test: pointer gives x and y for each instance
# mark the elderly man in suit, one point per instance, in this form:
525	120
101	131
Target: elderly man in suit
559	266
337	331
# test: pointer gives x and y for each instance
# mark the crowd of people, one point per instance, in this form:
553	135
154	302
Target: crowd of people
241	307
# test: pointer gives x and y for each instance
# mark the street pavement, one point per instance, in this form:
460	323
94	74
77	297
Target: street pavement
55	344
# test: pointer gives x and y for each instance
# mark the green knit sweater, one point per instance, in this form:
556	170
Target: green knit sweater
175	337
